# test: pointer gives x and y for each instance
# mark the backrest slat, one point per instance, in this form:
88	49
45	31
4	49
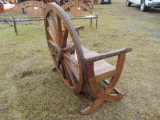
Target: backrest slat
71	4
27	4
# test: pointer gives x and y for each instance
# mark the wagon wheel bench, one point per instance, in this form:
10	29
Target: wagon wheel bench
77	65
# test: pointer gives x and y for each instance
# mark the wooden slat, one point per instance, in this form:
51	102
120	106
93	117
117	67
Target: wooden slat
51	30
65	36
60	32
67	48
54	23
26	4
115	89
51	34
102	69
52	43
69	70
76	3
73	69
71	60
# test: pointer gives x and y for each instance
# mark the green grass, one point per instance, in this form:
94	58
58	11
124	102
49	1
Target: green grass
30	90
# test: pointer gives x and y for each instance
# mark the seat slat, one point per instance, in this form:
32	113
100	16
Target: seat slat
102	69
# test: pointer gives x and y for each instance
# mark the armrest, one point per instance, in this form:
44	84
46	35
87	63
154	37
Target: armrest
77	28
108	54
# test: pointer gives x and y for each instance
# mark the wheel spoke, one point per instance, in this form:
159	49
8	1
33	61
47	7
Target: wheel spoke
60	32
51	30
52	43
59	63
53	23
70	73
73	66
74	62
57	26
67	48
55	61
65	36
64	70
66	74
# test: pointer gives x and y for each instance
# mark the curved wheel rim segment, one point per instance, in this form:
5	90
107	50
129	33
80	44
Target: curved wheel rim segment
62	39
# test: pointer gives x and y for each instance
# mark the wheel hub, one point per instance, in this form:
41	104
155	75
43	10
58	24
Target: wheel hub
58	52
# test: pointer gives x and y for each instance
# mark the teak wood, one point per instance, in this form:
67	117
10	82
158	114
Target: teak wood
47	1
79	66
34	9
76	10
88	2
1	7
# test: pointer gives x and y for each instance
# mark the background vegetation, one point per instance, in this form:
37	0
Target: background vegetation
30	90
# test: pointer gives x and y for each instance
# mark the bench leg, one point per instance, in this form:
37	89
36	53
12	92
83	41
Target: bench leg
107	94
90	22
15	27
53	68
92	104
92	107
96	23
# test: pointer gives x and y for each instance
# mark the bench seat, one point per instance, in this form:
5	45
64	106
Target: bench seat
101	67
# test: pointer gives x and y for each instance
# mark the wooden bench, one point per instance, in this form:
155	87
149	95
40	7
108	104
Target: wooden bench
34	9
76	10
79	66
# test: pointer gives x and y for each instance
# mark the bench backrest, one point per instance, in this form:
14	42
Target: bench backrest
76	8
34	8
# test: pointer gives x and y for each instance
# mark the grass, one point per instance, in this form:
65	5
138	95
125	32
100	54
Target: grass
29	90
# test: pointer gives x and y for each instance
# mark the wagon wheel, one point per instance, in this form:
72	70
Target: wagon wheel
62	39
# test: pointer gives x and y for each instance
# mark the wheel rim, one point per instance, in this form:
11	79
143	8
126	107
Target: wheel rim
62	39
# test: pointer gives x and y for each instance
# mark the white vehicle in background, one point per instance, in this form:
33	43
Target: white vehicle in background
144	4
